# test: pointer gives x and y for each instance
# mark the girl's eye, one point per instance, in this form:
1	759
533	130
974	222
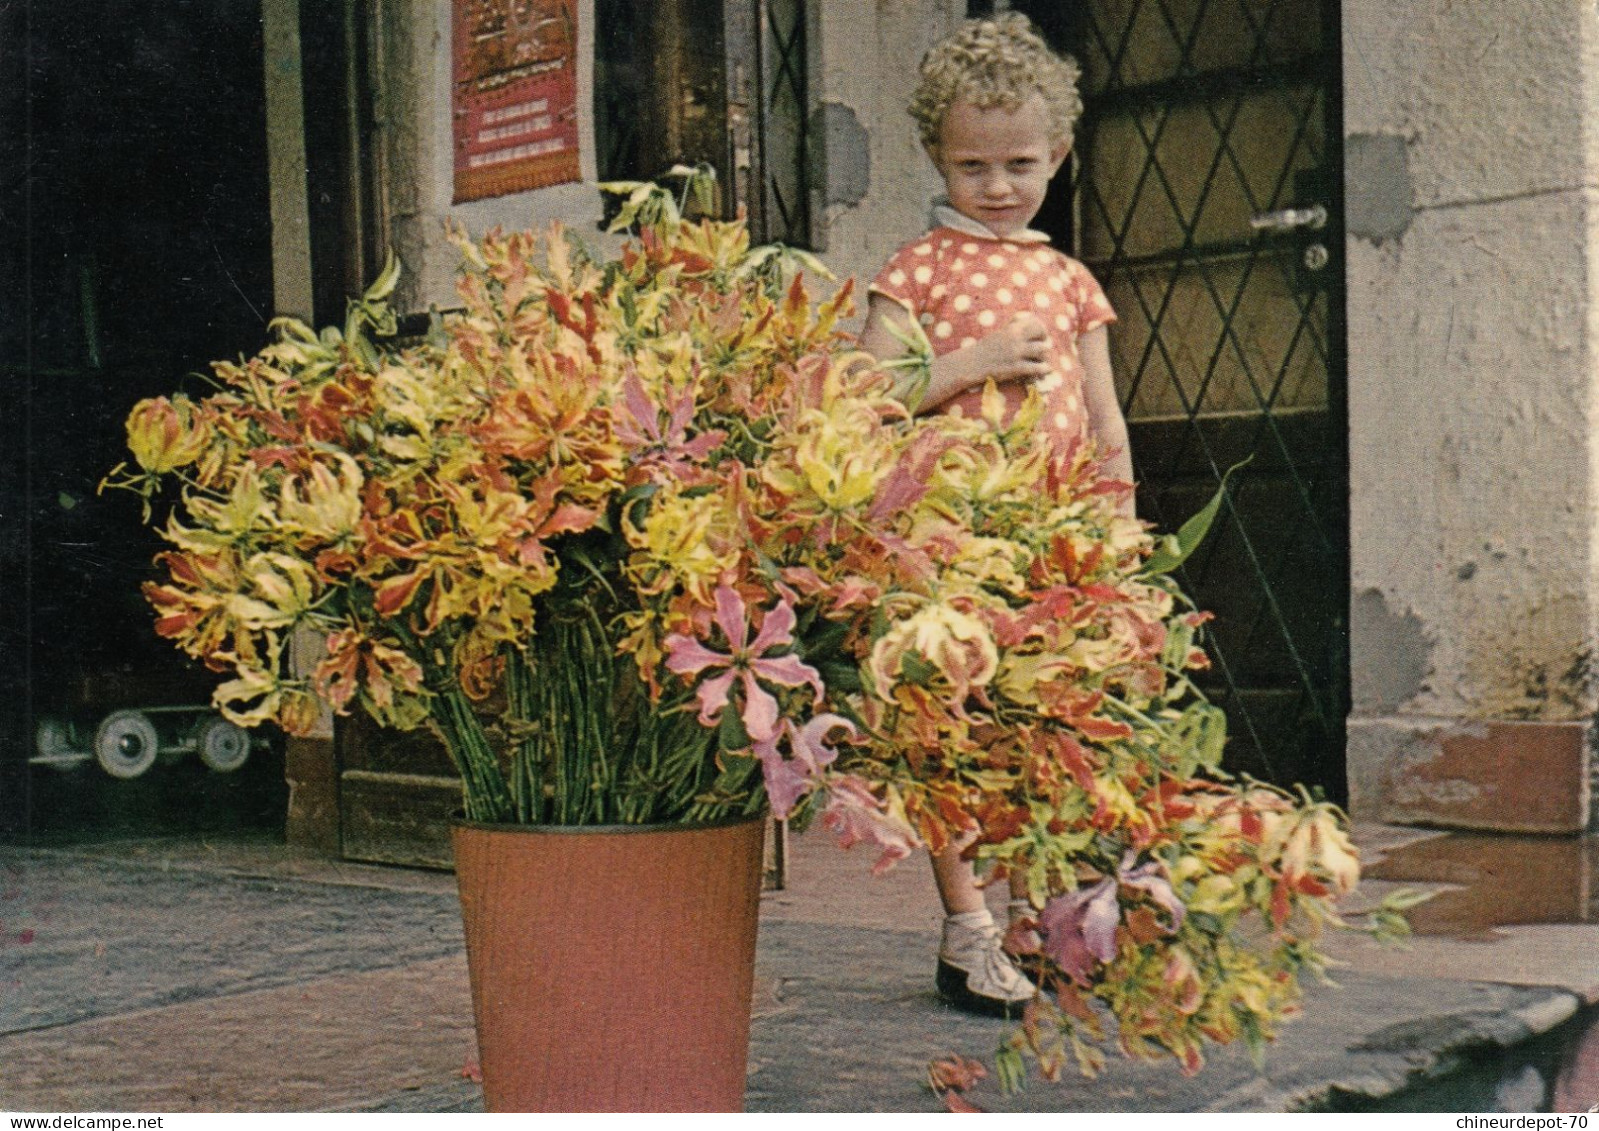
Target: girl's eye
1022	164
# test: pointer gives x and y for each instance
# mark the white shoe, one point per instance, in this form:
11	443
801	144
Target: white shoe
976	975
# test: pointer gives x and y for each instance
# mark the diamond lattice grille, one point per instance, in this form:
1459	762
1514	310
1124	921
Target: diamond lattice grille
785	139
1201	115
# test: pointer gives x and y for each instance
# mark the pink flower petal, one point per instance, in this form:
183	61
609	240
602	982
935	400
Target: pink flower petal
731	617
687	656
790	671
1079	928
682	414
1149	877
713	697
760	709
1099	924
777	628
808	742
640	408
786	781
856	816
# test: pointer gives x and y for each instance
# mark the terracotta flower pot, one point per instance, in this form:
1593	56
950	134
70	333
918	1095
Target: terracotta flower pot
611	967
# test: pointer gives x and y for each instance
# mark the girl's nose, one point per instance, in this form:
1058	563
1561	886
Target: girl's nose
996	183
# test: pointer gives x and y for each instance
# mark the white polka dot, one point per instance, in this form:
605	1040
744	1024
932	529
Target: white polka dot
1010	247
943	330
968	342
924	249
1018	278
945	245
897	278
1004	296
927	320
1057	285
1041	300
1050	380
969	248
958	265
924	273
979	280
1071	401
1062	421
987	318
996	261
1062	322
1039	259
962	303
938	292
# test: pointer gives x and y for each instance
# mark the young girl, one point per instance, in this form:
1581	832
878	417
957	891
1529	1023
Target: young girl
995	109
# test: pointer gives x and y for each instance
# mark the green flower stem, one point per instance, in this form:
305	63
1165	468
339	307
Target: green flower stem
487	797
571	701
527	763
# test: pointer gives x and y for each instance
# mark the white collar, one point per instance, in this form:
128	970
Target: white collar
946	217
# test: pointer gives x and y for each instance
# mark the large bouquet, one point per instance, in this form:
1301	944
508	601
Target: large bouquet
649	540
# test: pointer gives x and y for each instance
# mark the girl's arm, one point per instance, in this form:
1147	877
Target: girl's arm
1105	421
1014	352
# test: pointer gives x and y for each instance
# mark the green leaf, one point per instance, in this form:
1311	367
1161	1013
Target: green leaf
383	286
1406	898
840	675
916	671
731	735
824	643
1175	549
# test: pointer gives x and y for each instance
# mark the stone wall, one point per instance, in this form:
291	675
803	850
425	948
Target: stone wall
1471	182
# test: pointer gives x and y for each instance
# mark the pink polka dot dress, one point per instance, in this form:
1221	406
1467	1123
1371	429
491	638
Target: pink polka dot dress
962	286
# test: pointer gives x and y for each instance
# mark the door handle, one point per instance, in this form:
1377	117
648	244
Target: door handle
1312	218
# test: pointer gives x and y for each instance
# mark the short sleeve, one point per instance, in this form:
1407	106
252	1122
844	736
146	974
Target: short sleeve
906	277
1093	308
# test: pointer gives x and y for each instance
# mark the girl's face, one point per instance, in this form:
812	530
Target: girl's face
997	162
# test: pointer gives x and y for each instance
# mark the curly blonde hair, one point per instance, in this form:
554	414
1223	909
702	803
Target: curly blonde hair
996	62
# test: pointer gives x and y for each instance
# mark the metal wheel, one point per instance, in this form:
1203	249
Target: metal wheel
126	744
223	746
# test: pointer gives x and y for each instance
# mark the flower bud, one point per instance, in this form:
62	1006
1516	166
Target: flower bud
164	435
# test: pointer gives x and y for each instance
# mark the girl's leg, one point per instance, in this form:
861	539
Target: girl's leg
957	882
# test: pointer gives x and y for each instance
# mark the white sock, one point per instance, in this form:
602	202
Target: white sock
970	920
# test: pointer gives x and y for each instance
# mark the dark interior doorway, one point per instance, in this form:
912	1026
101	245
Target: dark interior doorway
138	247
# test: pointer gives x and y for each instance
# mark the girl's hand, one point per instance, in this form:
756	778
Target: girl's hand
1019	350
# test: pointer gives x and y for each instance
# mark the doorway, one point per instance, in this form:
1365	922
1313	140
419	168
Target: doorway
1208	185
139	223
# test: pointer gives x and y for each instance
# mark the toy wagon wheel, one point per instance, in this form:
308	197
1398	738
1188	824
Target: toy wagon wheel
224	746
53	743
126	744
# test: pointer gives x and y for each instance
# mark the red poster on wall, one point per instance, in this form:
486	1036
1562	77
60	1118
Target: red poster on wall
515	98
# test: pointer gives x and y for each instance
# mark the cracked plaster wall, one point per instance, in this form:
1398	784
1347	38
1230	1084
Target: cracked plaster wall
868	54
1473	218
